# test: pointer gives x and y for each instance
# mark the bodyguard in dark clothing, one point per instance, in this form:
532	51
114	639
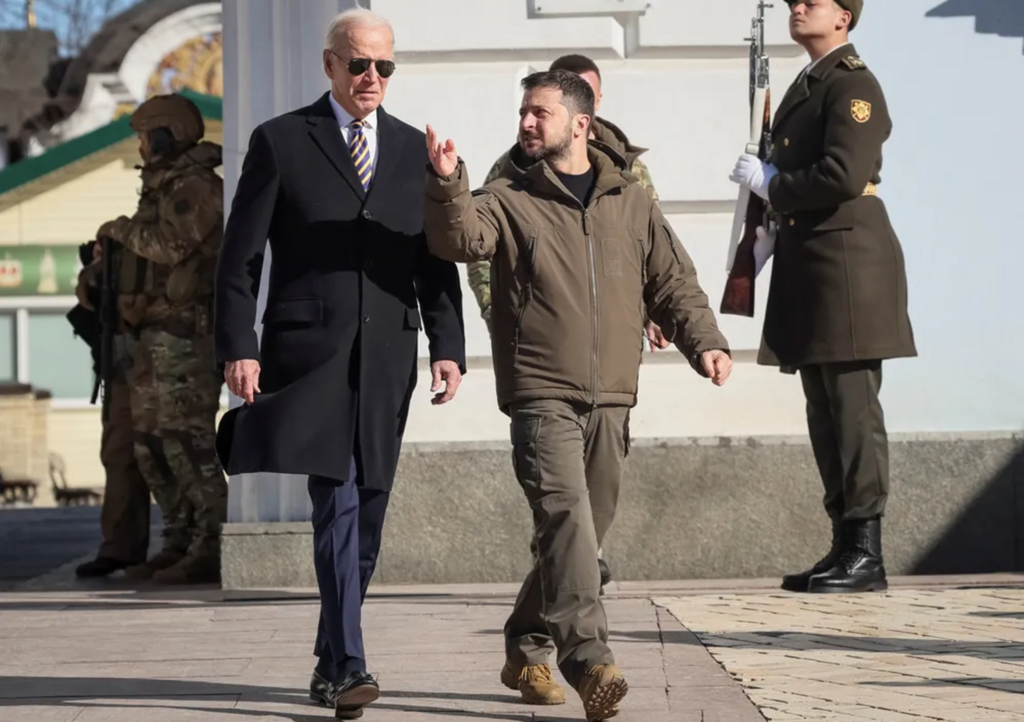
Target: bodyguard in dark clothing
837	304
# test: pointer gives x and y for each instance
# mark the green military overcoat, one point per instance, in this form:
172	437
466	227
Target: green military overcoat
838	288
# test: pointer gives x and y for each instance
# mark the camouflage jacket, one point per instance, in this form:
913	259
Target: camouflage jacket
479	272
167	251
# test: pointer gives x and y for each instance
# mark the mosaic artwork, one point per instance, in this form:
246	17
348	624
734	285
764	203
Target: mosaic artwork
196	65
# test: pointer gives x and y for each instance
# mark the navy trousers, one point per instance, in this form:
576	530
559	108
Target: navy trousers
347	525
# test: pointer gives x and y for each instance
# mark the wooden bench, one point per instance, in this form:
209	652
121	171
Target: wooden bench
14	491
65	496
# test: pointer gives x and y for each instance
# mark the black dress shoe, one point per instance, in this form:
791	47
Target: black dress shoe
799	582
860	567
99	567
321	690
606	573
354	692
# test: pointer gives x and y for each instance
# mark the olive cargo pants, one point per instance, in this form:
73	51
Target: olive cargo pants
568	459
847	431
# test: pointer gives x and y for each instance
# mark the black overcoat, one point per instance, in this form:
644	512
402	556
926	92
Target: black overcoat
351	284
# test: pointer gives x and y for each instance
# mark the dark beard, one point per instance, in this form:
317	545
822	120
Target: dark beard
554	152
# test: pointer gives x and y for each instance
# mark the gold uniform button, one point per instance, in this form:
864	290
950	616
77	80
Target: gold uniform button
785	141
792	221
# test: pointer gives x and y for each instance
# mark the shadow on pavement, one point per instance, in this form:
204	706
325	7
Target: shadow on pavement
188	695
998	615
1014	686
783	641
665	636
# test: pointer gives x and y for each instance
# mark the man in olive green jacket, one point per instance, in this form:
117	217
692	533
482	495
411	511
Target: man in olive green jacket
581	255
479	272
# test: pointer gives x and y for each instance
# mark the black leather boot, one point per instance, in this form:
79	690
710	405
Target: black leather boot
860	567
99	567
606	574
798	582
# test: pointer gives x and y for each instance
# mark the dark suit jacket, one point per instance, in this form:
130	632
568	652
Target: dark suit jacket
839	285
339	343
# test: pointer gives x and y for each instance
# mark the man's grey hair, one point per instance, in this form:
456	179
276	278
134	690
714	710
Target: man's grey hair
357	17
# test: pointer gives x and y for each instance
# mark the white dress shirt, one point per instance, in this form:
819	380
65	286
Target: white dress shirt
369	128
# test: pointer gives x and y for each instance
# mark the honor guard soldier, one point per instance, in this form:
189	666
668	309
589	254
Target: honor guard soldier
837	303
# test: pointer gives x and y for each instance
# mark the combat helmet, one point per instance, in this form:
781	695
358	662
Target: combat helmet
177	116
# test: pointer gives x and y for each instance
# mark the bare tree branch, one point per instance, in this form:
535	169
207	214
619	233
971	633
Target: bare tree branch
73	21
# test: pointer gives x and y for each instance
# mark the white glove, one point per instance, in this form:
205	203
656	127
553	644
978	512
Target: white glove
754	173
764	246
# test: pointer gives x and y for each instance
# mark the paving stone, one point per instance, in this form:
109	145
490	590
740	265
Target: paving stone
436	659
946	655
32	711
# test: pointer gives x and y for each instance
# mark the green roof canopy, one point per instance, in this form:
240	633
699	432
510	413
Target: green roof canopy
30	169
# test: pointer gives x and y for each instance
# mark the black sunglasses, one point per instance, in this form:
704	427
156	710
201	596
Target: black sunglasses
358	66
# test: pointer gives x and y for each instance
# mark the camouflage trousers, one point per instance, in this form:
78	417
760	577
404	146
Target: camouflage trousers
175	396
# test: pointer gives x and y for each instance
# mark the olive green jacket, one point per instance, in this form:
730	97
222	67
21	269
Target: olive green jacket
479	272
573	285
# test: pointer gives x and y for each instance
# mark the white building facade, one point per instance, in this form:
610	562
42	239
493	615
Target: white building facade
675	78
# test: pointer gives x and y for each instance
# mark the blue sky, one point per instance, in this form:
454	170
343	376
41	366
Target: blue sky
74	21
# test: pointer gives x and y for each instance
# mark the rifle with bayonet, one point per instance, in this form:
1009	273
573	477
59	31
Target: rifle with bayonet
751	211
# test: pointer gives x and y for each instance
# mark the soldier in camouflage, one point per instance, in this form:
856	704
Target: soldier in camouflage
167	254
124	519
479	272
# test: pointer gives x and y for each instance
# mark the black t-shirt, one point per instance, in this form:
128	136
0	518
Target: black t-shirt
579	185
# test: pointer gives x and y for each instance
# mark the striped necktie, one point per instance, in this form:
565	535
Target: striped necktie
360	154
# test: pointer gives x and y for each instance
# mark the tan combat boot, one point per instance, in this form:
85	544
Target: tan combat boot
601	690
535	683
191	570
161	560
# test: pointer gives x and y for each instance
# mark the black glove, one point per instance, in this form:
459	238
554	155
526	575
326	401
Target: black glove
85	252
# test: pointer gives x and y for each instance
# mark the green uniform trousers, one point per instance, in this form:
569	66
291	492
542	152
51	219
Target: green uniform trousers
124	519
848	436
568	459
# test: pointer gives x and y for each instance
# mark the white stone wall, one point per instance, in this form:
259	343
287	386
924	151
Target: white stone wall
675	79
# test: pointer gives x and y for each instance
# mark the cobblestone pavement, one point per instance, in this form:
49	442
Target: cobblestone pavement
905	655
187	656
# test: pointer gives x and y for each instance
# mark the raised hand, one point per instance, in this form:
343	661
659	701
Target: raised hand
442	156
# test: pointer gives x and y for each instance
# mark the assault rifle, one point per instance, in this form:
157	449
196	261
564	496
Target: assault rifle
751	211
108	322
